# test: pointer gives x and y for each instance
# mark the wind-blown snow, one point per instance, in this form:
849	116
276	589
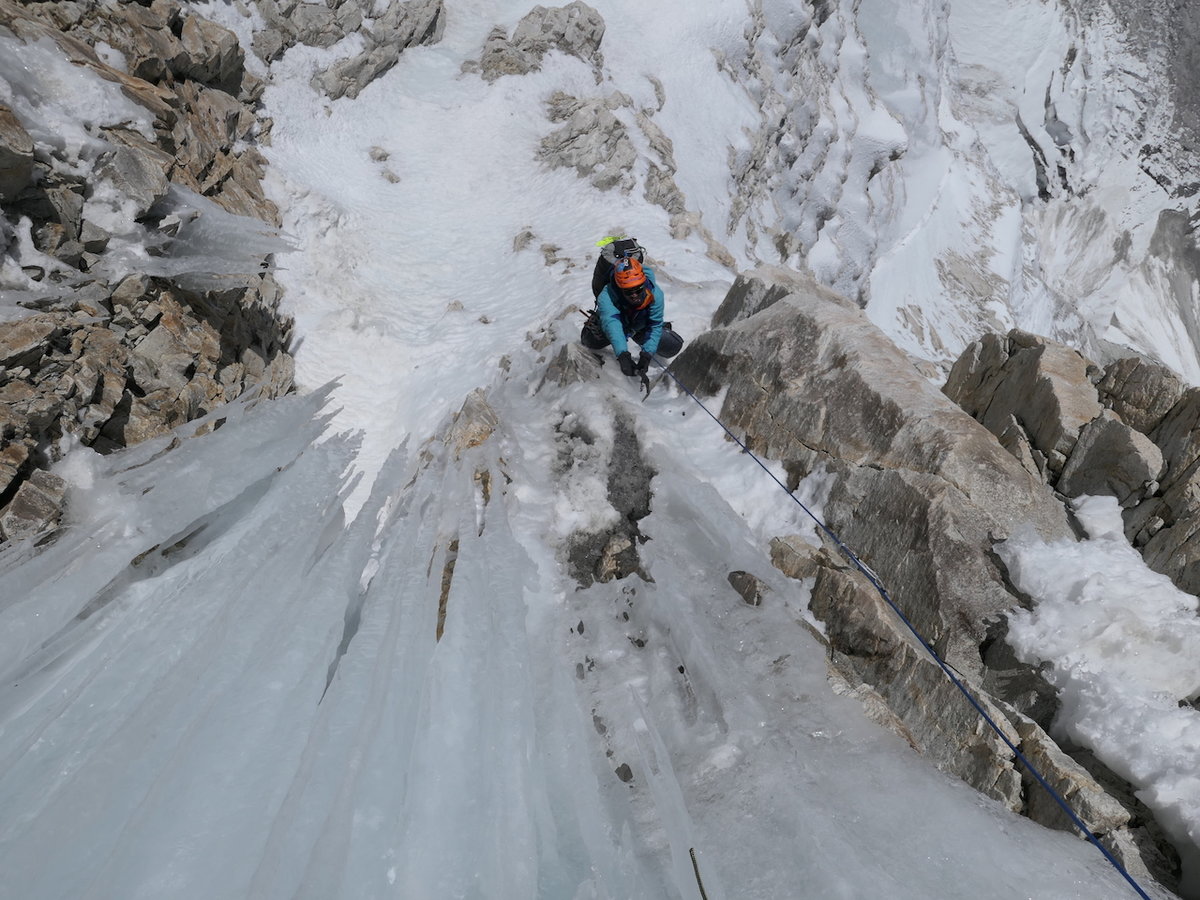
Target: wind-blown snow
215	686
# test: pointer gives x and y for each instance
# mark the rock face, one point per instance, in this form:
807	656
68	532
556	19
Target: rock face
102	348
402	26
1034	391
196	88
812	382
921	490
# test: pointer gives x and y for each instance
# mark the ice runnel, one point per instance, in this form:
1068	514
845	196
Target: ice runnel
269	713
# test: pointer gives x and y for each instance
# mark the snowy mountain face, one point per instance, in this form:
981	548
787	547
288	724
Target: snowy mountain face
470	616
975	166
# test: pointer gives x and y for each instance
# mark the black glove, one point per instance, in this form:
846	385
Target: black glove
626	362
643	363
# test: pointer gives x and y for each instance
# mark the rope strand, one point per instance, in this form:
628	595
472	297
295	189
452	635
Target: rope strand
945	667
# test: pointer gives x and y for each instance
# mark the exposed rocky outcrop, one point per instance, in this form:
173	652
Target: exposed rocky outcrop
1031	392
1141	393
35	508
384	36
575	29
188	74
102	344
812	382
592	140
473	424
922	491
1128	431
402	26
16	156
609	552
599	137
602	138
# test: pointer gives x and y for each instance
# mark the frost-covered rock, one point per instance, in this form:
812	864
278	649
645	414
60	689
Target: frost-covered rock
117	343
392	30
573	363
137	175
1047	406
750	588
214	55
183	122
1167	525
1121	822
921	492
473	424
873	652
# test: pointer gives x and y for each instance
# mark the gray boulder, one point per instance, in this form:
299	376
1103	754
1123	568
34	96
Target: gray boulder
474	423
137	175
24	342
748	296
1178	436
146	36
213	54
572	364
13	455
1039	384
1113	459
1047	405
35	509
749	587
1167	527
1140	392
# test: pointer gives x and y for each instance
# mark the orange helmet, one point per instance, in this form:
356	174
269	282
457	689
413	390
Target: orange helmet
632	285
629	275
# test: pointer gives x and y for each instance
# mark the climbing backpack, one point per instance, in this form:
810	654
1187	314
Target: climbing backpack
612	250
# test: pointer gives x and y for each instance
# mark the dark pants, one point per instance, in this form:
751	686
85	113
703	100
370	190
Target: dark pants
594	338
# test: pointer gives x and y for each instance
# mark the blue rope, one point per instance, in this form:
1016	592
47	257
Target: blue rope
945	667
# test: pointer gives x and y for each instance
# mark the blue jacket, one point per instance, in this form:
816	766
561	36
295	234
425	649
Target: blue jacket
645	325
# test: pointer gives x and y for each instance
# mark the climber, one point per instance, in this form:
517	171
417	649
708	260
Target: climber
629	305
